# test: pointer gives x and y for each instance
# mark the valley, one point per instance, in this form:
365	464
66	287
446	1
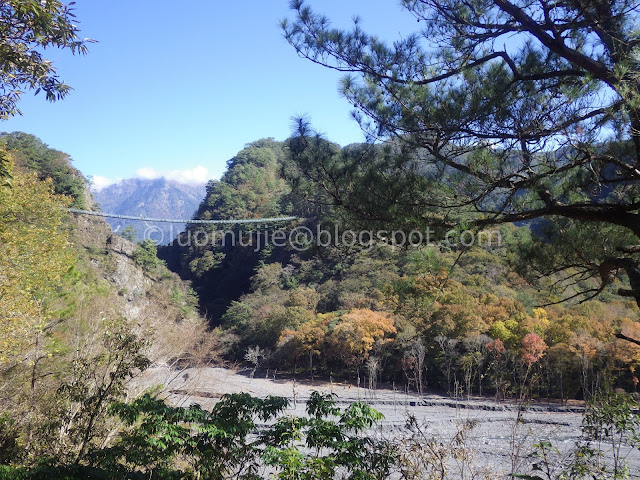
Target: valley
435	356
446	286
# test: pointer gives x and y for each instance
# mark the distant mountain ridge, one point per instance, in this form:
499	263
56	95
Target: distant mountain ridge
155	198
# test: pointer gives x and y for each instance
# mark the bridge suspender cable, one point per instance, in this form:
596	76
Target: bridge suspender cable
171	220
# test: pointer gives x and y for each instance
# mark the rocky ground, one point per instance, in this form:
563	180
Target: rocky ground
495	442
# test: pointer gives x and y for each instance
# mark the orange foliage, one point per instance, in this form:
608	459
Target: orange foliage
496	347
627	352
309	336
533	347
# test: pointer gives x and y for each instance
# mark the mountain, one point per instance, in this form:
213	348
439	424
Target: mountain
157	198
252	187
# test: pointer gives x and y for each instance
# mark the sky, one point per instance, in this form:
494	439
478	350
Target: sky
178	88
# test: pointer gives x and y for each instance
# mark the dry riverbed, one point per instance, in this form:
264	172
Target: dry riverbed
495	442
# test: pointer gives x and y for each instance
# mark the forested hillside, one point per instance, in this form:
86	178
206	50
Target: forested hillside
30	154
80	327
252	187
453	318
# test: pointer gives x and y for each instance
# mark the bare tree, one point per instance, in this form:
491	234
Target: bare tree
419	353
255	355
448	348
373	367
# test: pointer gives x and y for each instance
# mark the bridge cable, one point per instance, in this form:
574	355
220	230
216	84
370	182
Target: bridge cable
191	221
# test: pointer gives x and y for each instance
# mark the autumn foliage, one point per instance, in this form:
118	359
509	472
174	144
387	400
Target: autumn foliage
533	347
358	331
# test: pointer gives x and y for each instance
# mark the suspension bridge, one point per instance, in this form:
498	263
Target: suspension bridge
190	221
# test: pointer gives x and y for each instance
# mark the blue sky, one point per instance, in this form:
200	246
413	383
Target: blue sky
179	87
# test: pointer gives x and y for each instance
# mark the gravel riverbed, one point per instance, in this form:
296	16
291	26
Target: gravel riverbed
494	443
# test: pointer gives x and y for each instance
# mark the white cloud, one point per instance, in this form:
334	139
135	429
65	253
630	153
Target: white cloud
148	173
99	182
195	175
191	176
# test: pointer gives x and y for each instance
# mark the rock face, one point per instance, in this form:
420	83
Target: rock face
158	198
112	258
155	303
128	278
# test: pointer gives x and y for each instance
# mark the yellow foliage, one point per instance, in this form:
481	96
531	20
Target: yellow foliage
359	330
539	323
33	258
541	314
309	336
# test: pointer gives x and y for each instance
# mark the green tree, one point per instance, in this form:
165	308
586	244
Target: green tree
27	28
165	442
34	257
496	111
329	443
146	255
31	153
129	233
